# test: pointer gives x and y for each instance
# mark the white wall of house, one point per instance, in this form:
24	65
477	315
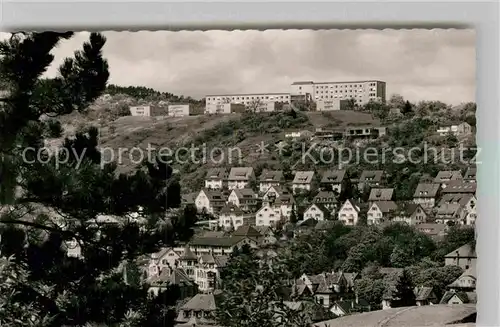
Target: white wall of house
233	198
227	220
266	185
267	216
237	184
425	202
348	214
313	212
202	202
214	184
297	187
375	216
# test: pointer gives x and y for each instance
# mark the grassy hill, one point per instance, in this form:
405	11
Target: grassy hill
245	132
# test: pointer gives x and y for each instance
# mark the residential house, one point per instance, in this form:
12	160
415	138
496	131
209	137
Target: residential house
463	289
232	216
461	129
410	213
268	215
370	178
188	199
424	295
210	201
347	307
208	271
302	181
245	198
456	209
173	276
188	261
317	212
381	211
272	194
465	257
240	177
470	175
380	194
249	232
325	287
164	259
216	178
327	199
459	187
286	204
445	176
200	310
426	195
333	180
435	231
270	178
268	235
220	245
349	212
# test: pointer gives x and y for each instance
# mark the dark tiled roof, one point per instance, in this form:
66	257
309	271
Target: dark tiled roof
240	173
381	194
247	231
271	175
426	190
333	176
465	251
216	173
459	186
371	175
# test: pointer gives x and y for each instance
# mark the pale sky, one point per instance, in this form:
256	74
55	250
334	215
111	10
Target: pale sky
419	64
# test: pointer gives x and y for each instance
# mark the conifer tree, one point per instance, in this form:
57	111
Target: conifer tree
48	202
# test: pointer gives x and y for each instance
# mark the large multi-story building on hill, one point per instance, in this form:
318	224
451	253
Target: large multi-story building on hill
327	95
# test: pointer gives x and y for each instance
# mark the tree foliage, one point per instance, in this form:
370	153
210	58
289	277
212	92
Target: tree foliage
50	201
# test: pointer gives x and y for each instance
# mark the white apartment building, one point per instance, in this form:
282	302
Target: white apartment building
247	99
180	110
329	95
148	111
268	216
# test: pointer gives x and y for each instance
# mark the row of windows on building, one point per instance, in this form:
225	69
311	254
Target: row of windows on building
350	91
262	97
340	86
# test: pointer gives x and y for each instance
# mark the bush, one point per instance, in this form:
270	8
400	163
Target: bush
54	128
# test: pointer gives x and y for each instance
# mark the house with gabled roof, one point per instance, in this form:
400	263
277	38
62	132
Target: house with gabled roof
210	200
248	231
200	310
465	257
327	199
435	231
410	213
270	178
370	178
216	178
173	276
231	216
268	215
425	295
459	187
286	204
208	271
240	177
445	176
456	208
323	286
164	259
381	211
346	307
273	193
349	212
302	181
245	198
470	175
333	180
317	212
463	289
380	194
426	194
